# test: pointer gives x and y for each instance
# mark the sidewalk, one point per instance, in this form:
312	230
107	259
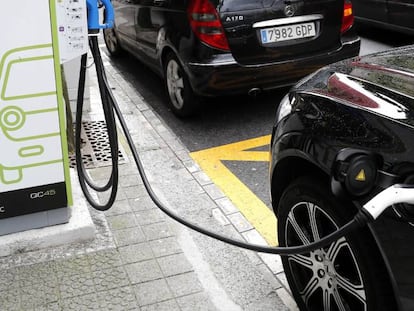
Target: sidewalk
139	259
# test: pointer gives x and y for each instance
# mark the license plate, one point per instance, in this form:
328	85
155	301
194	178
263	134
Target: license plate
287	32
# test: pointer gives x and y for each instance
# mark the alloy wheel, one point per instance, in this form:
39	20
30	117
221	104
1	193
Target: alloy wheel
327	279
175	84
111	41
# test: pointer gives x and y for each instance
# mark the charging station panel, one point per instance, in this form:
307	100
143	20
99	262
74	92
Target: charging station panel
34	165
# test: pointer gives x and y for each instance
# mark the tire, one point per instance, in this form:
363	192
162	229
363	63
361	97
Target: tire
347	275
182	100
112	42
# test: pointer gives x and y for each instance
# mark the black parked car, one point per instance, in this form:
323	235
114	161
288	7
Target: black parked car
388	14
341	135
212	47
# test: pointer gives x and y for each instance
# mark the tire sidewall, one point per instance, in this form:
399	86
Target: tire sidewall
117	50
360	241
190	101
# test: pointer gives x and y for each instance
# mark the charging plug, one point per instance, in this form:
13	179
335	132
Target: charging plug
394	194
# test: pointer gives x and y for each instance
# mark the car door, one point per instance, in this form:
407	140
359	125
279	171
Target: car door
125	20
401	13
149	19
158	21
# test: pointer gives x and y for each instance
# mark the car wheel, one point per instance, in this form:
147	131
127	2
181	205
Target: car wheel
182	100
112	42
345	275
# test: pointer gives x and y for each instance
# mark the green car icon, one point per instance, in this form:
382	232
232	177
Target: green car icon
29	119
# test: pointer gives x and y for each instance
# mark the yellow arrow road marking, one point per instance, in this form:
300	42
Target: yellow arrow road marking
255	211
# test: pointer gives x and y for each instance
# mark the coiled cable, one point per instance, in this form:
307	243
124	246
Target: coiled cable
84	180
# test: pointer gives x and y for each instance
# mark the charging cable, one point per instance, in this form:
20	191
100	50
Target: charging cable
367	213
84	180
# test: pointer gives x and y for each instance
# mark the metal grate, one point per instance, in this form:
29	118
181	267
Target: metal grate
96	150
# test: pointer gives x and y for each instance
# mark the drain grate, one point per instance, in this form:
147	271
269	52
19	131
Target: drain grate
96	151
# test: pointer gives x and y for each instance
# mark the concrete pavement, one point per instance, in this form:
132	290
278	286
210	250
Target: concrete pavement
137	258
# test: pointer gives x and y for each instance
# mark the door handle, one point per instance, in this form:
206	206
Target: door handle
160	2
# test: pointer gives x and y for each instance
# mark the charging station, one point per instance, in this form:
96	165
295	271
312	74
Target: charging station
37	37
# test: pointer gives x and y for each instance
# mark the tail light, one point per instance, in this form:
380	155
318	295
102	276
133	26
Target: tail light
347	17
205	23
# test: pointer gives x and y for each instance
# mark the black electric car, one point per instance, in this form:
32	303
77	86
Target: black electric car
211	48
341	135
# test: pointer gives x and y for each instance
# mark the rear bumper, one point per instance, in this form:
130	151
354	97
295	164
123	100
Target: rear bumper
222	75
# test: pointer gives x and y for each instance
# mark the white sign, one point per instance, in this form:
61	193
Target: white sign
30	134
72	22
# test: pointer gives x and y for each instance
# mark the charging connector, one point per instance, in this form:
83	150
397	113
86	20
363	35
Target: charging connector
392	195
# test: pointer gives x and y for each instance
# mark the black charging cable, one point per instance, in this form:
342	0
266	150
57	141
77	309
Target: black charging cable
109	104
85	181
